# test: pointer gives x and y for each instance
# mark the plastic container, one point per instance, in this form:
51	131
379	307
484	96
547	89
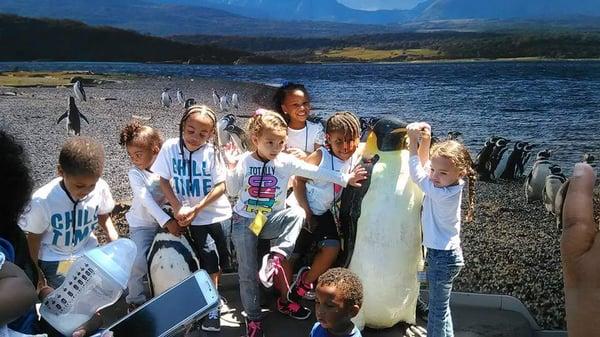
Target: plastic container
95	281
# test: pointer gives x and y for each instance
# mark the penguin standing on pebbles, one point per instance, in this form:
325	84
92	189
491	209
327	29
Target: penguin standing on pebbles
165	98
73	116
553	183
536	179
498	151
79	92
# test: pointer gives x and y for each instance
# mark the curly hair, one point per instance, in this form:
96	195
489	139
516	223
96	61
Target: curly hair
345	282
281	94
137	134
460	157
16	180
265	119
345	122
82	156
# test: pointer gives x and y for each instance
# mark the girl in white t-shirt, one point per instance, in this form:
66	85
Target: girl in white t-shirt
293	103
192	177
318	200
259	179
440	173
145	216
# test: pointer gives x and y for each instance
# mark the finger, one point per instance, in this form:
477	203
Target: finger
579	229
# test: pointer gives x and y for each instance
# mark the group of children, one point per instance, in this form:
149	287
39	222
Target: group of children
194	175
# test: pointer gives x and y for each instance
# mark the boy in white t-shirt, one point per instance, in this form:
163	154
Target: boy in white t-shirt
62	214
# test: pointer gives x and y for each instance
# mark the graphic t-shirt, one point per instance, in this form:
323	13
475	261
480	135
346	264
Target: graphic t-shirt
66	225
263	186
319	331
192	177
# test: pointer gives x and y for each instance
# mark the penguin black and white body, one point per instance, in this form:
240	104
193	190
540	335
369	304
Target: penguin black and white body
366	125
189	102
223	136
180	97
520	169
170	260
507	167
79	92
216	98
238	136
498	151
73	116
483	157
384	213
235	101
165	98
536	179
551	186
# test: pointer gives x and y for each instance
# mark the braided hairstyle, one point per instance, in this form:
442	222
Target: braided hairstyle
265	119
345	122
460	157
137	134
203	110
281	94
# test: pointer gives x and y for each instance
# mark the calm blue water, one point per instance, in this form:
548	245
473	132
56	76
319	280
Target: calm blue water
552	104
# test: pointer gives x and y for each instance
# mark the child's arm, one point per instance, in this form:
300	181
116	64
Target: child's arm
235	176
304	169
17	294
138	186
105	221
34	242
165	186
425	143
215	193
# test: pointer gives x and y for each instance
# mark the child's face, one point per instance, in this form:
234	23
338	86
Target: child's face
270	143
78	186
443	172
333	313
296	106
142	156
197	130
342	147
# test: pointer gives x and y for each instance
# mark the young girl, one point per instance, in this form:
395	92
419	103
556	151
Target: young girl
193	181
441	179
293	103
145	215
260	181
318	197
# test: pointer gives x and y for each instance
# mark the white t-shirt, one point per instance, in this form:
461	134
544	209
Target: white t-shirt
192	180
145	208
306	138
320	194
263	186
441	209
52	213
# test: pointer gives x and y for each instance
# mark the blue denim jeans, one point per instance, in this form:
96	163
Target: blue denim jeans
282	228
50	270
143	237
442	268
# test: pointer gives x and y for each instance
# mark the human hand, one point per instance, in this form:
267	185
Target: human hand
185	214
90	326
580	254
357	175
230	154
173	227
297	153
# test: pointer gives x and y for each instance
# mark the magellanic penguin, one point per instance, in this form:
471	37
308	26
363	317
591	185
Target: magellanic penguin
382	238
507	167
79	92
165	98
170	260
500	148
536	179
483	157
73	116
551	186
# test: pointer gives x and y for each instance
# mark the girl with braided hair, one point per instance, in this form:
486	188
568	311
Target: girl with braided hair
440	174
319	198
192	178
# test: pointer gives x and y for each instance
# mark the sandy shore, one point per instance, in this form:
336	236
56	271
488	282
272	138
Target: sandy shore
511	248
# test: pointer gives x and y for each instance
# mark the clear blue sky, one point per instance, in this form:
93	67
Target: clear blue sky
380	4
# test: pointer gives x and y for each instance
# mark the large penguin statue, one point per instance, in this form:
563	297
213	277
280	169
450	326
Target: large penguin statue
536	179
170	260
382	242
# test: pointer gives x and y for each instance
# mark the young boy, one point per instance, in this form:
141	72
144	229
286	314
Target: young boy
339	296
63	213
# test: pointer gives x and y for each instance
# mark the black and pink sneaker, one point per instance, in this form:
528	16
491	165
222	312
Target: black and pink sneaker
300	289
254	329
293	309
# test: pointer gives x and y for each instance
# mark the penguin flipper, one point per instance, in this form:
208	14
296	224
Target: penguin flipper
84	118
63	116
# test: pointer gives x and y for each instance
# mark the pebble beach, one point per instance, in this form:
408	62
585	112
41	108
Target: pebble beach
510	248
